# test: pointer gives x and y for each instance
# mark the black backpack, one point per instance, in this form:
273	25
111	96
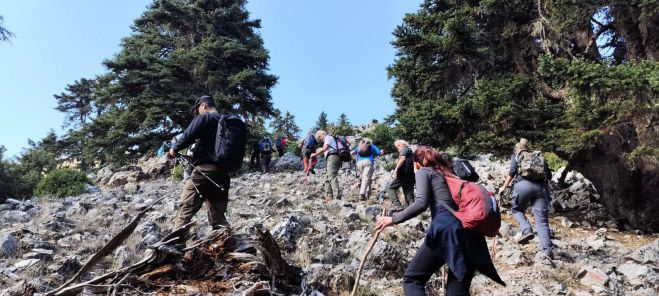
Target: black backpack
343	148
464	170
230	141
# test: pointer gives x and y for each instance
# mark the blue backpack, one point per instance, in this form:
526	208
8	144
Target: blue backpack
310	143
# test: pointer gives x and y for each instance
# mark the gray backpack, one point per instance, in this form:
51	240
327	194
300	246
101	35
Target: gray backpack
531	165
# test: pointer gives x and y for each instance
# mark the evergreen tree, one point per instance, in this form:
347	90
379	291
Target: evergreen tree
179	49
568	75
4	33
77	102
322	123
285	125
343	126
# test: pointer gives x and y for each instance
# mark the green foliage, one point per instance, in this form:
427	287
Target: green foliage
178	50
342	127
63	183
643	150
478	75
177	173
322	123
383	137
292	147
554	161
285	125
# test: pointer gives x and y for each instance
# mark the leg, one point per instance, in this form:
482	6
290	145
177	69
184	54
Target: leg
419	271
305	161
392	192
408	191
540	210
334	164
364	168
520	202
217	200
456	287
190	201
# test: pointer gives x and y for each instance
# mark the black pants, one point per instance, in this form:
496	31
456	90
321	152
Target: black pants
422	267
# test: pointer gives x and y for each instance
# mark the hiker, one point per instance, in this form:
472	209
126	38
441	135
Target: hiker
403	175
530	191
330	148
281	145
366	153
202	131
309	146
265	149
255	158
447	242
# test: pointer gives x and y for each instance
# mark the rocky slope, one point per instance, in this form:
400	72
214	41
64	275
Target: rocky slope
44	241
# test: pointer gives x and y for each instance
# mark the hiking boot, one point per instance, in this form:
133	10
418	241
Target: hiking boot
362	197
312	171
524	238
543	259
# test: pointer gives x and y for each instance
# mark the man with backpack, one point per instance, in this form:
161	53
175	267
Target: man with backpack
280	144
530	173
332	149
265	148
403	175
366	153
309	146
209	183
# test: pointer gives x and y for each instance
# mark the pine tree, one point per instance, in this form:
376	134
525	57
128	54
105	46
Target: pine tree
179	50
77	102
343	126
4	33
285	125
322	123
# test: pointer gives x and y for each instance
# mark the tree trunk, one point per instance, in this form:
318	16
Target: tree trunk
629	188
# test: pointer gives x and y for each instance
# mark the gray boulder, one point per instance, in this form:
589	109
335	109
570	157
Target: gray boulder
7	245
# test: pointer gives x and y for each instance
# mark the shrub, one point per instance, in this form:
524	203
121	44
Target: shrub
291	147
62	183
382	136
554	161
177	173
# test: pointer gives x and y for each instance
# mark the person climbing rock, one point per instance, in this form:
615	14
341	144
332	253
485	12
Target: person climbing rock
199	189
330	148
447	242
403	176
366	153
530	173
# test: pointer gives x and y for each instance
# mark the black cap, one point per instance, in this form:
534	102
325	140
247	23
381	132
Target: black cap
203	99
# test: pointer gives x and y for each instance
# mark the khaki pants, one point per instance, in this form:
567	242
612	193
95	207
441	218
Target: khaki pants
331	178
214	198
366	169
408	190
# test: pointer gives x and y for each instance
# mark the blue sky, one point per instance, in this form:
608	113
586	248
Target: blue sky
329	55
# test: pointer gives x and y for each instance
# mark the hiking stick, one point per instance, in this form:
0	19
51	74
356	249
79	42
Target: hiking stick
368	251
494	240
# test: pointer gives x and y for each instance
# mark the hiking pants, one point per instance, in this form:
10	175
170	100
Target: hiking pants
408	190
254	161
265	163
424	264
309	162
535	194
366	169
331	178
214	198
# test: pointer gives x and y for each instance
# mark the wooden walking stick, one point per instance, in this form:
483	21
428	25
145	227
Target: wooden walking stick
368	251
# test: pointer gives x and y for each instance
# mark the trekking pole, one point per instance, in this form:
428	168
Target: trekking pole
203	174
193	184
368	251
494	240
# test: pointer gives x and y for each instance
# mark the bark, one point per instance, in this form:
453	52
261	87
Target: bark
639	29
628	188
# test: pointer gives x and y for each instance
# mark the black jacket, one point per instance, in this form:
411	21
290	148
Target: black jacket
202	130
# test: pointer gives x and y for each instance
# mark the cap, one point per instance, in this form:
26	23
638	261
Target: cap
199	100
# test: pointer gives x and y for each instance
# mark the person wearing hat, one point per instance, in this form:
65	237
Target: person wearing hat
198	190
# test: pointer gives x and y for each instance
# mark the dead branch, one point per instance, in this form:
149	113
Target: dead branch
361	264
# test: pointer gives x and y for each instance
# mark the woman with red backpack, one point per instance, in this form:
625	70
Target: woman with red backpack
447	242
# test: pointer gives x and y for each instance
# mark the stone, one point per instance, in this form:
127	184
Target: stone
15	216
133	174
648	254
589	276
7	245
37	253
132	188
25	263
634	273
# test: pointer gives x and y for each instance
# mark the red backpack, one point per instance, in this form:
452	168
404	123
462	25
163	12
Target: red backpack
477	207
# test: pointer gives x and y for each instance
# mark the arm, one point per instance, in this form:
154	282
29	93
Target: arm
321	151
189	135
399	163
419	205
511	174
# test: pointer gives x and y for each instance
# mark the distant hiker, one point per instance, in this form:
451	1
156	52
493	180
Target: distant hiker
309	146
530	173
330	148
281	145
447	242
366	153
255	159
266	149
403	175
202	131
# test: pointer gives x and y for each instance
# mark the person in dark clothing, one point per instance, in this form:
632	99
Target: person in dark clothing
265	150
447	242
403	176
199	189
255	158
530	193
